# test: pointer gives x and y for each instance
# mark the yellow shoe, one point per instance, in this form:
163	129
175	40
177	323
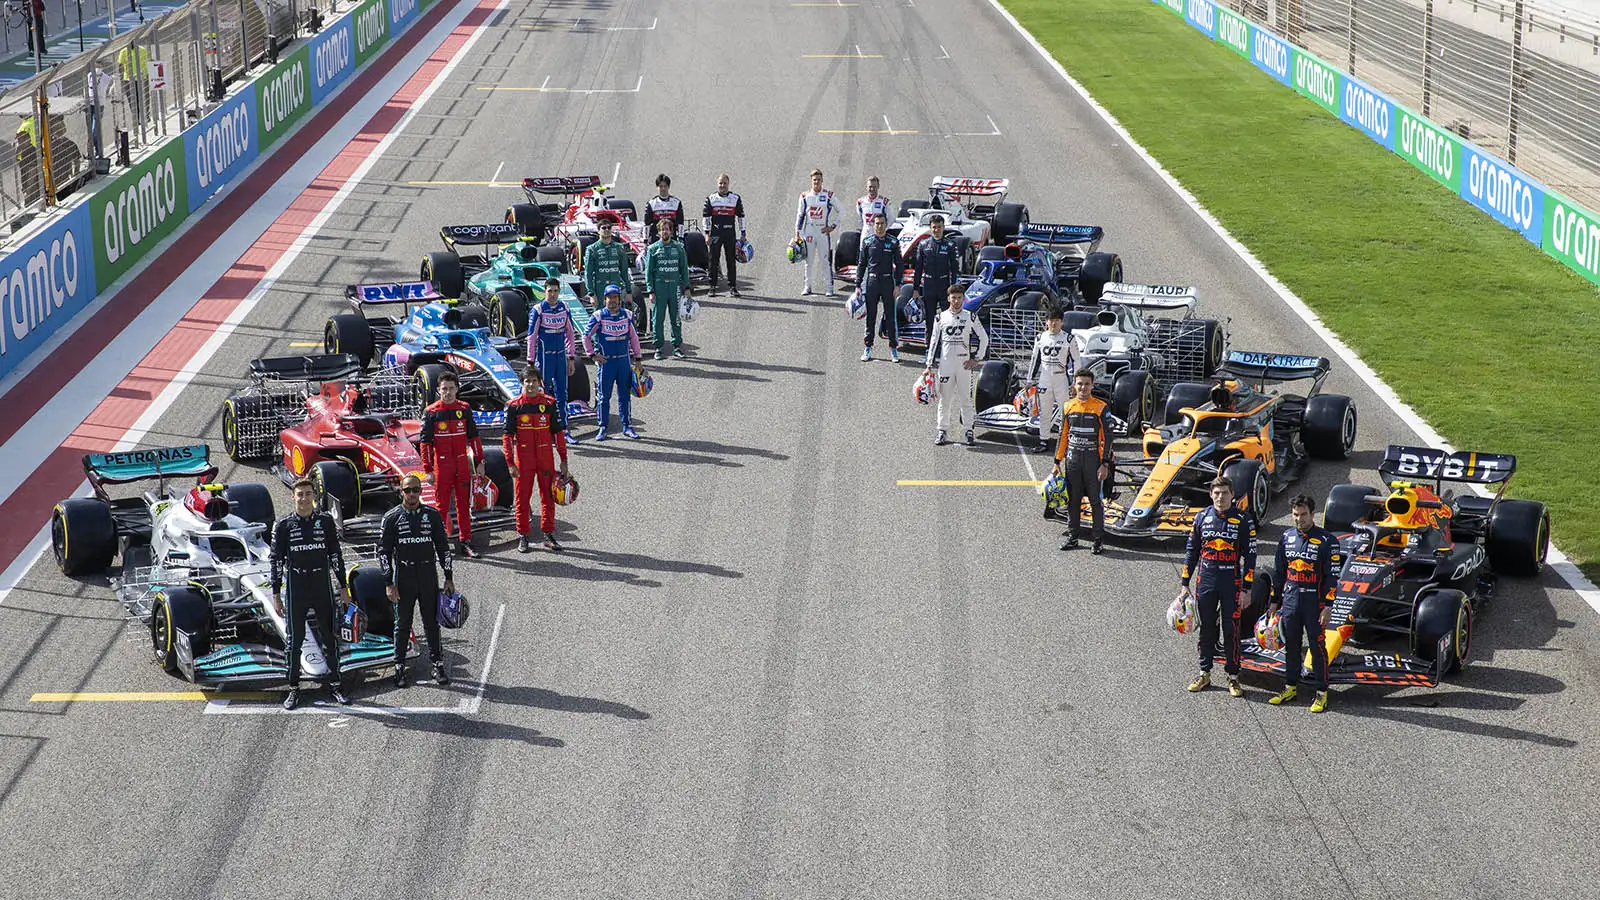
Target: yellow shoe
1234	690
1289	693
1320	703
1200	683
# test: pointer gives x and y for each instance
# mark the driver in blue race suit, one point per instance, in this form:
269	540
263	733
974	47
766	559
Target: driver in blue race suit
552	345
614	343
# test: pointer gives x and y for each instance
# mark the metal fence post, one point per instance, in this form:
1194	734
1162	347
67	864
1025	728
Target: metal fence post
1517	75
1350	37
244	36
1427	56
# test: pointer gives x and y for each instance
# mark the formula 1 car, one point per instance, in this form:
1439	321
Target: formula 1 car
1261	442
1418	562
432	335
975	225
195	569
573	224
354	438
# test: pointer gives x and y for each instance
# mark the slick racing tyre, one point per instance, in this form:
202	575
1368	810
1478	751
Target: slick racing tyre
1250	488
847	251
83	536
175	611
1519	537
427	377
993	385
248	427
1329	431
1185	395
528	219
508	313
337	485
1133	399
349	333
1346	505
443	269
1099	270
1008	219
250	502
498	471
1441	621
696	249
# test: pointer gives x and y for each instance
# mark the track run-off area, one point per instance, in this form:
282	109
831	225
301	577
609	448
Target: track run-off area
793	649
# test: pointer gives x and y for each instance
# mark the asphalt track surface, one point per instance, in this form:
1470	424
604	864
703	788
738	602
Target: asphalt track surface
762	669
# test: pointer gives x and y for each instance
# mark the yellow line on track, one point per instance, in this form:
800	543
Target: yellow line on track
146	696
305	343
982	482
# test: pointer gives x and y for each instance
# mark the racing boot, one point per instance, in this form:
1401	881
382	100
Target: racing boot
1071	542
440	676
401	679
939	439
971	442
1234	688
866	355
1200	682
735	292
894	354
677	353
1320	702
338	695
291	699
1289	694
550	542
630	434
1098	548
522	544
466	549
572	438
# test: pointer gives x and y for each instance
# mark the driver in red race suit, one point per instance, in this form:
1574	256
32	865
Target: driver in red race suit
1222	554
533	438
448	434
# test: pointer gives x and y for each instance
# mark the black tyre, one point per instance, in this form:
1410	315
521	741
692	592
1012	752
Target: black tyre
1255	600
626	207
1329	431
508	313
994	385
1519	537
427	379
498	471
1215	343
695	247
443	269
349	333
251	502
578	388
847	250
247	427
528	219
1099	270
1028	301
1346	505
1250	488
964	253
1077	320
1008	219
1133	399
1441	622
83	536
906	206
338	485
369	590
554	253
1185	395
179	610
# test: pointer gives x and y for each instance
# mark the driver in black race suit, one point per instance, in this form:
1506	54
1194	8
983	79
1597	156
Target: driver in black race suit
410	540
306	554
663	206
1222	554
722	220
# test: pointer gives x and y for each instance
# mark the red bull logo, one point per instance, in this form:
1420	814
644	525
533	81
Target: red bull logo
1219	545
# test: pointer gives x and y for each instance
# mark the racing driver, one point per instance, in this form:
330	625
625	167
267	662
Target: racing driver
614	343
818	217
306	555
409	541
532	440
553	345
449	435
1222	555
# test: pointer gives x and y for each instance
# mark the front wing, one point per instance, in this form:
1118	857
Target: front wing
263	664
1346	668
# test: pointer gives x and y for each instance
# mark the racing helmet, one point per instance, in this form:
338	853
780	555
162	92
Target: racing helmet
1054	490
1026	402
642	383
453	609
797	251
924	390
565	490
1183	615
857	305
744	251
1269	632
352	623
911	310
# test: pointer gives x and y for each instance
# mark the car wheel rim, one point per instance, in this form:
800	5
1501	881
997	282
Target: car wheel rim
58	541
160	631
230	431
1463	634
1259	500
1349	430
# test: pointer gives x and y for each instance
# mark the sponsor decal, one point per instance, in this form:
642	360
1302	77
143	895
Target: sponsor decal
1315	79
46	282
297	461
401	14
370	22
1460	466
1273	360
282	96
411	290
333	58
220	146
1367	110
1175	6
1203	16
1429	148
146	458
1234	31
135	212
1572	235
1276	57
1501	190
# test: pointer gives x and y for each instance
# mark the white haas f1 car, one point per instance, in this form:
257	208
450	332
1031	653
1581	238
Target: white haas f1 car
974	212
196	569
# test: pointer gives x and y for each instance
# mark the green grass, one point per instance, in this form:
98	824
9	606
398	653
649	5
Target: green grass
1490	340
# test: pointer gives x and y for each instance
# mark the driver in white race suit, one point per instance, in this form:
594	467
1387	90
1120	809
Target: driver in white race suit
949	347
1055	358
818	217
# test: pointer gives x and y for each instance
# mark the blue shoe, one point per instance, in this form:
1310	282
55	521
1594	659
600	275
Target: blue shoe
572	438
600	435
630	433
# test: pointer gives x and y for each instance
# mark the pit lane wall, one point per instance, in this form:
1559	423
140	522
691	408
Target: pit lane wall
51	278
1557	225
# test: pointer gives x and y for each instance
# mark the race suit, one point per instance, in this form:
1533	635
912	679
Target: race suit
1222	554
306	554
1084	447
1307	566
949	349
533	438
659	207
817	211
612	334
606	263
666	275
1055	359
935	266
877	278
723	222
869	209
448	433
409	542
552	341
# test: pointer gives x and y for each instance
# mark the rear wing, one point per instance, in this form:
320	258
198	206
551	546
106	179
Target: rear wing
969	187
1401	462
1254	365
146	465
1151	296
559	185
479	235
391	292
1045	233
323	367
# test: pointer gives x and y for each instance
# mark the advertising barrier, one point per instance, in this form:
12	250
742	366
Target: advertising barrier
220	146
46	281
1560	227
